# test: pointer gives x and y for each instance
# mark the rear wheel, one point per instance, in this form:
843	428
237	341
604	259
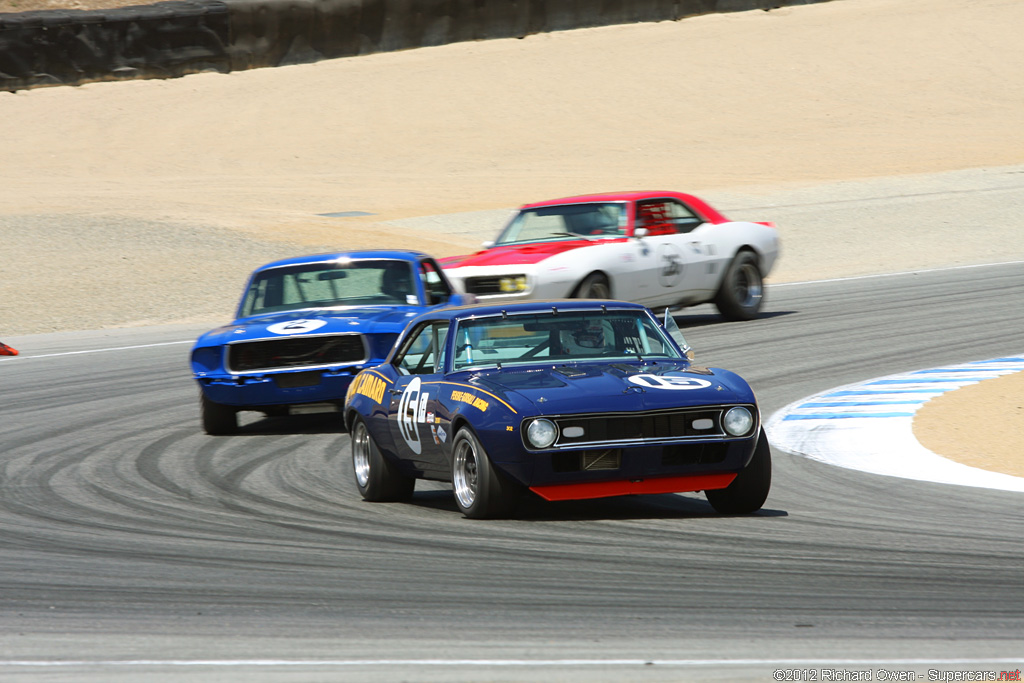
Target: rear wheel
742	291
218	419
749	489
377	479
594	286
481	491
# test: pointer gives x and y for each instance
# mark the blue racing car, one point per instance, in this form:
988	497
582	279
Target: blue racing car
568	399
305	326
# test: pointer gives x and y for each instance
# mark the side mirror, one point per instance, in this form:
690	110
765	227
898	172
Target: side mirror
640	233
487	245
677	335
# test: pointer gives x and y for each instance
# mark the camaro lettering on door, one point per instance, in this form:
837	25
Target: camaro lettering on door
412	410
471	399
370	386
669	382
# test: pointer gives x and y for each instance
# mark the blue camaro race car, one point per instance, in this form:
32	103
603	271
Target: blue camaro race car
305	326
568	399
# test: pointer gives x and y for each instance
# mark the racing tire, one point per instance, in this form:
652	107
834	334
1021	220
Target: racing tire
742	291
218	419
377	479
749	489
594	286
481	491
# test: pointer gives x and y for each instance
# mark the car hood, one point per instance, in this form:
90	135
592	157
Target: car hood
613	387
361	319
520	254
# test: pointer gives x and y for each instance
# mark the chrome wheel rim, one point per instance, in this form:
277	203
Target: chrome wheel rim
361	454
748	286
464	473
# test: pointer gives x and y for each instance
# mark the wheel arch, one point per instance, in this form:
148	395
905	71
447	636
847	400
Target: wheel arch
597	271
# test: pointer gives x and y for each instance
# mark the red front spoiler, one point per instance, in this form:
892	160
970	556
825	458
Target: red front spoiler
604	489
6	350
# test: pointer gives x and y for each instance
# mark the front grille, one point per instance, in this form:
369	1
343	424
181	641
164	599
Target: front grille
676	454
484	285
581	461
639	427
292	352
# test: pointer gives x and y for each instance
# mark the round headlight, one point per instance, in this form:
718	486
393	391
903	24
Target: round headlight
738	421
541	433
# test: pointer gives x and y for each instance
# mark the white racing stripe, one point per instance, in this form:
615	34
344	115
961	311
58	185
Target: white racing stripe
868	426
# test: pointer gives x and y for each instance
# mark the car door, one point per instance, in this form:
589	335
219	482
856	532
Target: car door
676	257
412	414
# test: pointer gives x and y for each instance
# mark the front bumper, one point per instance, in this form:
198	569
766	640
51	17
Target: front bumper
278	389
649	468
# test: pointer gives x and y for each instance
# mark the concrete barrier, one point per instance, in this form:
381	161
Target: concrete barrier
170	39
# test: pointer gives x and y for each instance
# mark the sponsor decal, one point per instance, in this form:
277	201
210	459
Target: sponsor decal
412	411
370	386
296	326
471	399
671	382
437	431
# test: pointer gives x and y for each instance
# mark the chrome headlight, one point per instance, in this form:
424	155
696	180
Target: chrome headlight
738	421
541	433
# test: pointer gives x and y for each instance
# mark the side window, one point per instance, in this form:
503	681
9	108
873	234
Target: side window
423	353
434	283
654	216
665	217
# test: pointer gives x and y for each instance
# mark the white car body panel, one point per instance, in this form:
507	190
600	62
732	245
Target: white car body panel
680	269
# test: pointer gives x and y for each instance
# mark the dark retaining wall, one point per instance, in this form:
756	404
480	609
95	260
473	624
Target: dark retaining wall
170	39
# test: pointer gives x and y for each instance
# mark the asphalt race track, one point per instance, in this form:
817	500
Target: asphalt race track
132	544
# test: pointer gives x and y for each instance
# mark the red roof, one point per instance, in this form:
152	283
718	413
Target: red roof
707	212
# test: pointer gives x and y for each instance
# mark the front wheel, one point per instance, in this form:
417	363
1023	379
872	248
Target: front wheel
594	286
377	479
742	291
218	419
481	491
749	489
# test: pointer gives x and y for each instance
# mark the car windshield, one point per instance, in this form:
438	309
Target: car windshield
568	221
345	282
565	336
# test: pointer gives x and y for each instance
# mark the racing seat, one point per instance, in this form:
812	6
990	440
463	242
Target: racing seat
655	218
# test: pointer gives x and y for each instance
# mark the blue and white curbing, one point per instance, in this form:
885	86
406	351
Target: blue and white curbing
868	426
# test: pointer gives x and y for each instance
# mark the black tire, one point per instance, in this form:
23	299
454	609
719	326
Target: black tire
594	286
749	489
377	479
481	491
741	293
218	419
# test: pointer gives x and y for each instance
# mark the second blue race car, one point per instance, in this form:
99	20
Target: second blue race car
305	326
569	399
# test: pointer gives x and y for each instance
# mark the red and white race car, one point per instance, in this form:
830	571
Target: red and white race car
660	249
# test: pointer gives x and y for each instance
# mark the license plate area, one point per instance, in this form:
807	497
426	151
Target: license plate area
294	380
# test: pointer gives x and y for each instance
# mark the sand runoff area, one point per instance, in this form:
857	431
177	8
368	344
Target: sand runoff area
163	195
